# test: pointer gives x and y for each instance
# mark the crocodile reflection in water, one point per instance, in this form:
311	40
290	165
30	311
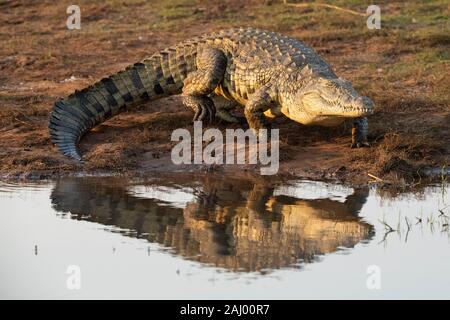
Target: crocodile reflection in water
238	225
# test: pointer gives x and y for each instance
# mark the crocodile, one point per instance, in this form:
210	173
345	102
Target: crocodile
236	224
267	73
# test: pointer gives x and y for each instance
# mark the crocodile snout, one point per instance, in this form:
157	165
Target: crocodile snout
364	105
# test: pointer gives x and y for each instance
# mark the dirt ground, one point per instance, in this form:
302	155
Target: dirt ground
404	67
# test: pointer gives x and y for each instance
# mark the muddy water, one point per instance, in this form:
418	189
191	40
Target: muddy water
189	238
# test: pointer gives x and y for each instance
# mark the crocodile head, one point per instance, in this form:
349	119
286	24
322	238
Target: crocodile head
327	101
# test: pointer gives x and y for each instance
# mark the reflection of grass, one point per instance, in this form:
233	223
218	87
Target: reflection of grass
435	221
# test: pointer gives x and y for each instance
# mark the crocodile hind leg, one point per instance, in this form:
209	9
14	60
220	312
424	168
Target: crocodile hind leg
211	65
359	133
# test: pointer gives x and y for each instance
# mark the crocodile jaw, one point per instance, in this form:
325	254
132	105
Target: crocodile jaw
343	107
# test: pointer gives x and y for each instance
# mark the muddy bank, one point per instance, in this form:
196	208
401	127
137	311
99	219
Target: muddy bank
138	143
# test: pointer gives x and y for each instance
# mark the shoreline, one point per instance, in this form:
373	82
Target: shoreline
432	176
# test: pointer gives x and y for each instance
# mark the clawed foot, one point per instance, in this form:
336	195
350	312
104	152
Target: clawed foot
359	144
359	133
205	112
203	107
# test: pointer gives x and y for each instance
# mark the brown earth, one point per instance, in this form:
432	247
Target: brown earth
404	67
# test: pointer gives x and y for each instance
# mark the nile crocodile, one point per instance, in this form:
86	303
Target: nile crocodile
266	72
235	224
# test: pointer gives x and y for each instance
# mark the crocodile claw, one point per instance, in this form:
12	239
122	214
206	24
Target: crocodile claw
359	144
204	108
205	113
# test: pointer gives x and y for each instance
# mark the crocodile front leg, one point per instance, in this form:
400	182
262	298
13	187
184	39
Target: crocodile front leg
255	107
211	65
359	133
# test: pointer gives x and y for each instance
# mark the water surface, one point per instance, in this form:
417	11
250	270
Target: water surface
205	238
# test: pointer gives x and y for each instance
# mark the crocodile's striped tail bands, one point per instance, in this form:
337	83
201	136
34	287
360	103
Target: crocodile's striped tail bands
76	114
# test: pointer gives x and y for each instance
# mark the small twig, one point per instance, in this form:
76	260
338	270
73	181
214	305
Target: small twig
325	5
375	177
25	123
378	179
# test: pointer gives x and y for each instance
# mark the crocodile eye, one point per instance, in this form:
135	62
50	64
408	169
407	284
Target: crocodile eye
330	85
327	83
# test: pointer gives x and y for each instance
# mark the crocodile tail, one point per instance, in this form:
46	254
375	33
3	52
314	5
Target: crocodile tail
76	114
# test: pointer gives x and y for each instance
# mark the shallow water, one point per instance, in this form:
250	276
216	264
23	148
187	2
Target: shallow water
169	238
